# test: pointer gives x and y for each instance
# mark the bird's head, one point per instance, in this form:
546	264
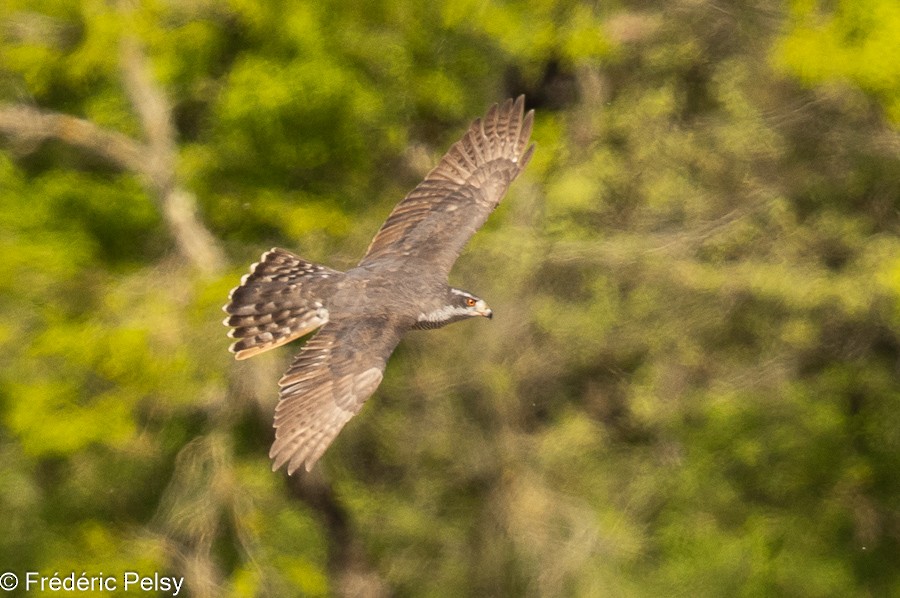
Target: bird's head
467	304
459	305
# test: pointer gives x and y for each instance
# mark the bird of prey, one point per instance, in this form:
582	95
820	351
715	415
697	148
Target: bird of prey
400	285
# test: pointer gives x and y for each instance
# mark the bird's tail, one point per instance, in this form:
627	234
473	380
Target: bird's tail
281	299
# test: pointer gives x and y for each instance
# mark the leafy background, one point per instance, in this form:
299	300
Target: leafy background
690	387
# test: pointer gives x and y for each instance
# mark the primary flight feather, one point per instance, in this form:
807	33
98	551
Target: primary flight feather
400	285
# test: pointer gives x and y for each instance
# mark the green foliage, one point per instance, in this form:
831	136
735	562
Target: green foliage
690	386
855	42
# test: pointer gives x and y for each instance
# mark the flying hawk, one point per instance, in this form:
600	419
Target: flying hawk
400	285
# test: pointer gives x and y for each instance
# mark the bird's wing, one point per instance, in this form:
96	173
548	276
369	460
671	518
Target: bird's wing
435	221
327	384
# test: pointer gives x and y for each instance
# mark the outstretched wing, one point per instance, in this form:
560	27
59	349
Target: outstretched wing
435	221
326	385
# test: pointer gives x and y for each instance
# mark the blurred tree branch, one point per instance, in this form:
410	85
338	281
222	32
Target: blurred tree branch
347	563
179	206
154	160
28	127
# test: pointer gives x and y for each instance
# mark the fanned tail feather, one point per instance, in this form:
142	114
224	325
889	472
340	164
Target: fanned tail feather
281	299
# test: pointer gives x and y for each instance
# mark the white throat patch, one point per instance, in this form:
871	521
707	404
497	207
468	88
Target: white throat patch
444	314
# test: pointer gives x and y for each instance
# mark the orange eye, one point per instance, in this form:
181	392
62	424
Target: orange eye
470	302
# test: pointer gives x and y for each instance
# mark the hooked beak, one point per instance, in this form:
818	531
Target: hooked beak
484	310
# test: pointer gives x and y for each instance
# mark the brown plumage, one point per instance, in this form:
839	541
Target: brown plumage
400	285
